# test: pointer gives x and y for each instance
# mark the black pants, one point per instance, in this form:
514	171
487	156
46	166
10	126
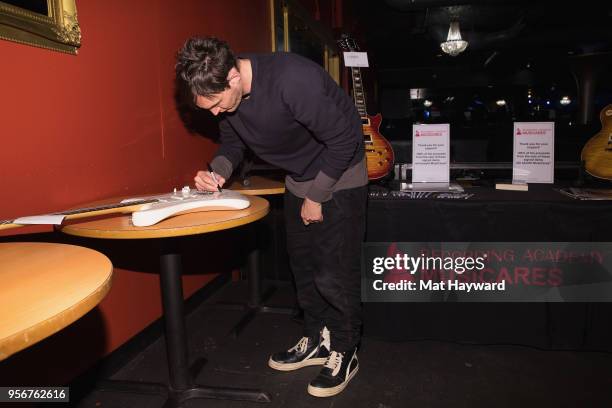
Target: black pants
325	260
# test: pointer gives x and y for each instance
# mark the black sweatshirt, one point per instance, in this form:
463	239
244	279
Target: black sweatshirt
296	118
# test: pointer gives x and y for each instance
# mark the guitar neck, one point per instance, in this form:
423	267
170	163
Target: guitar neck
106	209
129	206
358	92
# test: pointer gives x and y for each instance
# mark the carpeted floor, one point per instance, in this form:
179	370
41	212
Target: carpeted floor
406	374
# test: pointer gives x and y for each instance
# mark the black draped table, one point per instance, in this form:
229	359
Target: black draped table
538	215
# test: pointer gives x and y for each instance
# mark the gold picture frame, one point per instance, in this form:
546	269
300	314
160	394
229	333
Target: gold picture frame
57	30
291	26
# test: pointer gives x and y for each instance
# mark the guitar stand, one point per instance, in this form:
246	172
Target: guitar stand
581	174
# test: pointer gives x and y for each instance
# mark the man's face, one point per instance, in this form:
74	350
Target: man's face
226	101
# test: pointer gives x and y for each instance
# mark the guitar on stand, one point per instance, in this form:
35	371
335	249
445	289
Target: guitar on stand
379	153
597	152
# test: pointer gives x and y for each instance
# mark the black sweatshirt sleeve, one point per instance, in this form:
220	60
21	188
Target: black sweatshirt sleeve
230	153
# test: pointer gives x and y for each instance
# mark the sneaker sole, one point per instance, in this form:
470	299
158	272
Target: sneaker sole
294	366
329	392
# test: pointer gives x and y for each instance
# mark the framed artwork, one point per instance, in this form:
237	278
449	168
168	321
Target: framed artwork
50	24
294	30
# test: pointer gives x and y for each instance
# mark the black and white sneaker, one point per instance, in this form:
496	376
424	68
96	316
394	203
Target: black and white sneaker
335	375
307	352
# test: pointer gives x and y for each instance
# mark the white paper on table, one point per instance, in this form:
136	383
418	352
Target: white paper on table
534	152
53	219
431	153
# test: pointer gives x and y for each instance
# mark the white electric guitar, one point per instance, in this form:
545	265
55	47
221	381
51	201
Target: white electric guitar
185	201
145	211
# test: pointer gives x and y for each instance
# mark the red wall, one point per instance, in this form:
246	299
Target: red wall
104	123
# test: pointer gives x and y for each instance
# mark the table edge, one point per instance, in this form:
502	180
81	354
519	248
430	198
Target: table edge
34	334
166	233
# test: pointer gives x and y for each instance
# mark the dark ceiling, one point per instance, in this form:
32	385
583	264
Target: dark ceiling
508	40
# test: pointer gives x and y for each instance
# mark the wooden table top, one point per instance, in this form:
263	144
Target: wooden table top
259	185
119	226
45	287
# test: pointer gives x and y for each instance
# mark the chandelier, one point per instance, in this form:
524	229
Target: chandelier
454	45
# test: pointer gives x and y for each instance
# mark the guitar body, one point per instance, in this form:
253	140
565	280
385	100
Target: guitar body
379	153
597	152
169	205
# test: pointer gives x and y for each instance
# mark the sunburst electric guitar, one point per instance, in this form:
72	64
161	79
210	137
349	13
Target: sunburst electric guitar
379	153
597	152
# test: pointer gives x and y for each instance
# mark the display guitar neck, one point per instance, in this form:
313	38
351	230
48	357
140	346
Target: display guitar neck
359	93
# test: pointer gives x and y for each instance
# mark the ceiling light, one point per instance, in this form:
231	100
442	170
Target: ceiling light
565	100
427	103
500	102
454	45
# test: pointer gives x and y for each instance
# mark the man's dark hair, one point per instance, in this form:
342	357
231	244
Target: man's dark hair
203	64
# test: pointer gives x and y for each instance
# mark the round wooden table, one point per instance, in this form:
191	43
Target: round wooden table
181	386
259	185
45	287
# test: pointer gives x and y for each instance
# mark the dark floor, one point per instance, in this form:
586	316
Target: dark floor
415	374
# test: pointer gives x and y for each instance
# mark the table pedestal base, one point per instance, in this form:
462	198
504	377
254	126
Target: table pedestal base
181	386
253	309
256	301
175	398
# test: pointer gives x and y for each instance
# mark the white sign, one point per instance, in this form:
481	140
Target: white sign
355	59
431	153
534	152
53	219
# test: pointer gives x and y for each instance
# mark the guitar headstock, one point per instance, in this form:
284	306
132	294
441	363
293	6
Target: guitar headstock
347	43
